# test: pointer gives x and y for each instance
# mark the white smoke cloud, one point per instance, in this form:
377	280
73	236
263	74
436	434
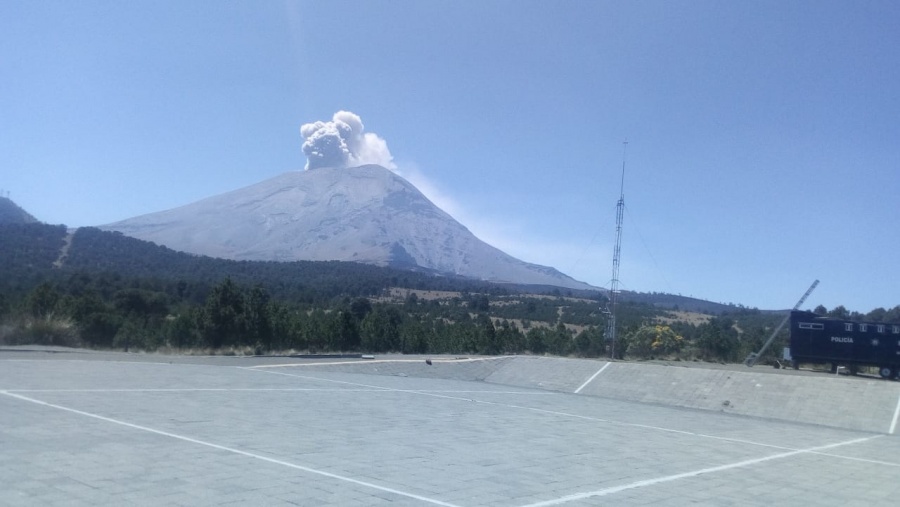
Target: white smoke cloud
341	143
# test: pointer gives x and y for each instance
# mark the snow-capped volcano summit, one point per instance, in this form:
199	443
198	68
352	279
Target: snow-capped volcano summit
364	214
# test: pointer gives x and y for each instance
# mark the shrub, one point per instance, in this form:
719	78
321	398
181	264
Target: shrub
654	341
47	330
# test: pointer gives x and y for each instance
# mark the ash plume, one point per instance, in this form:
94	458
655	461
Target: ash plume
342	142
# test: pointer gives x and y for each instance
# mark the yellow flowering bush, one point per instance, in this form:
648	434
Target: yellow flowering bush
653	341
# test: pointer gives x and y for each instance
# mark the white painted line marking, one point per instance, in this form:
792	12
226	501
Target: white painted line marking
861	460
567	414
189	390
307	377
232	450
88	358
508	405
894	420
264	389
372	361
695	473
588	381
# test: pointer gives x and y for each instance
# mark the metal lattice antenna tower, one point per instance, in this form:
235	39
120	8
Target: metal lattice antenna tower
614	283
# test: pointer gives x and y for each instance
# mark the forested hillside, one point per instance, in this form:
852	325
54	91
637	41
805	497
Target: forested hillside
11	213
94	250
111	291
27	252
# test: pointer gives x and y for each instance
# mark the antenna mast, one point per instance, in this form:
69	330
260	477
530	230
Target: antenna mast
614	284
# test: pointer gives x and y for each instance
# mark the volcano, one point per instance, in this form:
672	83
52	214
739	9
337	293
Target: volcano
365	214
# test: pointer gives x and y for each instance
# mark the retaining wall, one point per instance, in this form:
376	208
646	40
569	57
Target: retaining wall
865	404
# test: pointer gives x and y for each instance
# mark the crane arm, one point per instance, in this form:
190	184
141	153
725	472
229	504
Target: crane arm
751	359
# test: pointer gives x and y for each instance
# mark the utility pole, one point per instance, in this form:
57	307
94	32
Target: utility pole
614	283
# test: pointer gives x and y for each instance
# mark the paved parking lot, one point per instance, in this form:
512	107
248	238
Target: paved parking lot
81	429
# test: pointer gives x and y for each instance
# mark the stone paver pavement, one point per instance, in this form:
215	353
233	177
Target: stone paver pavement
91	431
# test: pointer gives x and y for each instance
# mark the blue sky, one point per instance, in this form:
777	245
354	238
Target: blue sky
763	137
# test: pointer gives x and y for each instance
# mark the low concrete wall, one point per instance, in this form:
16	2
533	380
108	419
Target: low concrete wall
842	402
851	403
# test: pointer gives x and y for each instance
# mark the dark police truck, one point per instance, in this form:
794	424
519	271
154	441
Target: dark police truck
818	340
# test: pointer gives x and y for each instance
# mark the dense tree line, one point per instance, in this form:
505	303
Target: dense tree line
108	311
117	292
